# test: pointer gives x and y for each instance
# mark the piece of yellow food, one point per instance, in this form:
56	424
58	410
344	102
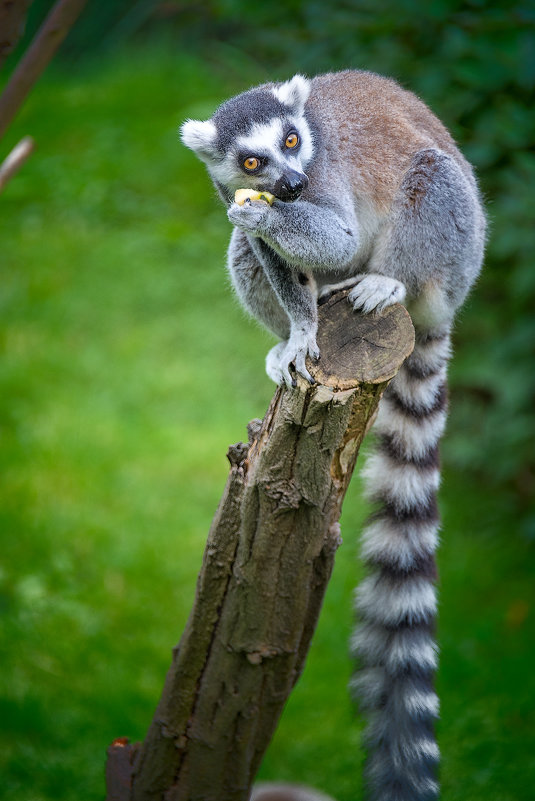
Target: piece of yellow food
241	195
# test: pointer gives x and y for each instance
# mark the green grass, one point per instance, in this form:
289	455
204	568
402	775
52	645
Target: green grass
127	370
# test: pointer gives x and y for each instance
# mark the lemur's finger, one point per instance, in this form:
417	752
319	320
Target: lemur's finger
289	380
301	368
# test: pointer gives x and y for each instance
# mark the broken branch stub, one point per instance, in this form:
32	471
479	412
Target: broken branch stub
266	566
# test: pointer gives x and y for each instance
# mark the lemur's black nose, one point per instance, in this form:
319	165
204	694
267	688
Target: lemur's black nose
290	185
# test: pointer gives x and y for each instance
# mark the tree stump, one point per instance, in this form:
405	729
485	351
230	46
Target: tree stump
268	559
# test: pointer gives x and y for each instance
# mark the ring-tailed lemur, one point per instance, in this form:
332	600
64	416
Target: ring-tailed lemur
371	192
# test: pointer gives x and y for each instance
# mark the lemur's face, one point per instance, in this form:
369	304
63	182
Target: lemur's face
257	140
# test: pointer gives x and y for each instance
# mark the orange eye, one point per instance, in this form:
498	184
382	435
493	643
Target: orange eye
292	140
251	163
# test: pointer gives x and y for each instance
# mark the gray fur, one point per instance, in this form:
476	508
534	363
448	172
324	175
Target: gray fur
387	206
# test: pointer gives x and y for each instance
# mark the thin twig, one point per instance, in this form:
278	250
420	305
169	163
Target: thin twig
15	160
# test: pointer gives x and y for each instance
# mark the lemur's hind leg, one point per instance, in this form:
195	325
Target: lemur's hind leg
431	245
432	242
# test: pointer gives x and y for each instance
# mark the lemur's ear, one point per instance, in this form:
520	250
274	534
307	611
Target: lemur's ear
199	136
294	93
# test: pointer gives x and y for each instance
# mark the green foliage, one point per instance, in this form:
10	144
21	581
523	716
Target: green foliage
111	246
113	437
473	61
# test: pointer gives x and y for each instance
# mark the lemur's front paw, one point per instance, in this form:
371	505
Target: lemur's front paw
250	217
294	351
375	292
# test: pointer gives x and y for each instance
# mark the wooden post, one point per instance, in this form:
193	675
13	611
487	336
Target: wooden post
266	566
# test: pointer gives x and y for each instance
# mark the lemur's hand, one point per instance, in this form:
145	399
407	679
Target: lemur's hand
250	217
300	345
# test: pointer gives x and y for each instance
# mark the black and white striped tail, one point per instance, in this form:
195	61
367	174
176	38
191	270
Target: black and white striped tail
396	603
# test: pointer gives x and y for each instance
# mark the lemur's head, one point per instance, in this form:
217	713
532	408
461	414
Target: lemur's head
257	140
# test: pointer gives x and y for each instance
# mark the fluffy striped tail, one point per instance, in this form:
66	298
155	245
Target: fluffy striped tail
396	603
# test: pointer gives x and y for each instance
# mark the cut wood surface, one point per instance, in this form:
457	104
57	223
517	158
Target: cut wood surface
266	566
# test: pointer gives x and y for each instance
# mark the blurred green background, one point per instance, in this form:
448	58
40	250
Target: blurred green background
128	368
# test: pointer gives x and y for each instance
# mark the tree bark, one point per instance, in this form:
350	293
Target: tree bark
266	566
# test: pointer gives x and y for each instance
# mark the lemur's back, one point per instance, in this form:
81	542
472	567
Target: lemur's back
379	126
